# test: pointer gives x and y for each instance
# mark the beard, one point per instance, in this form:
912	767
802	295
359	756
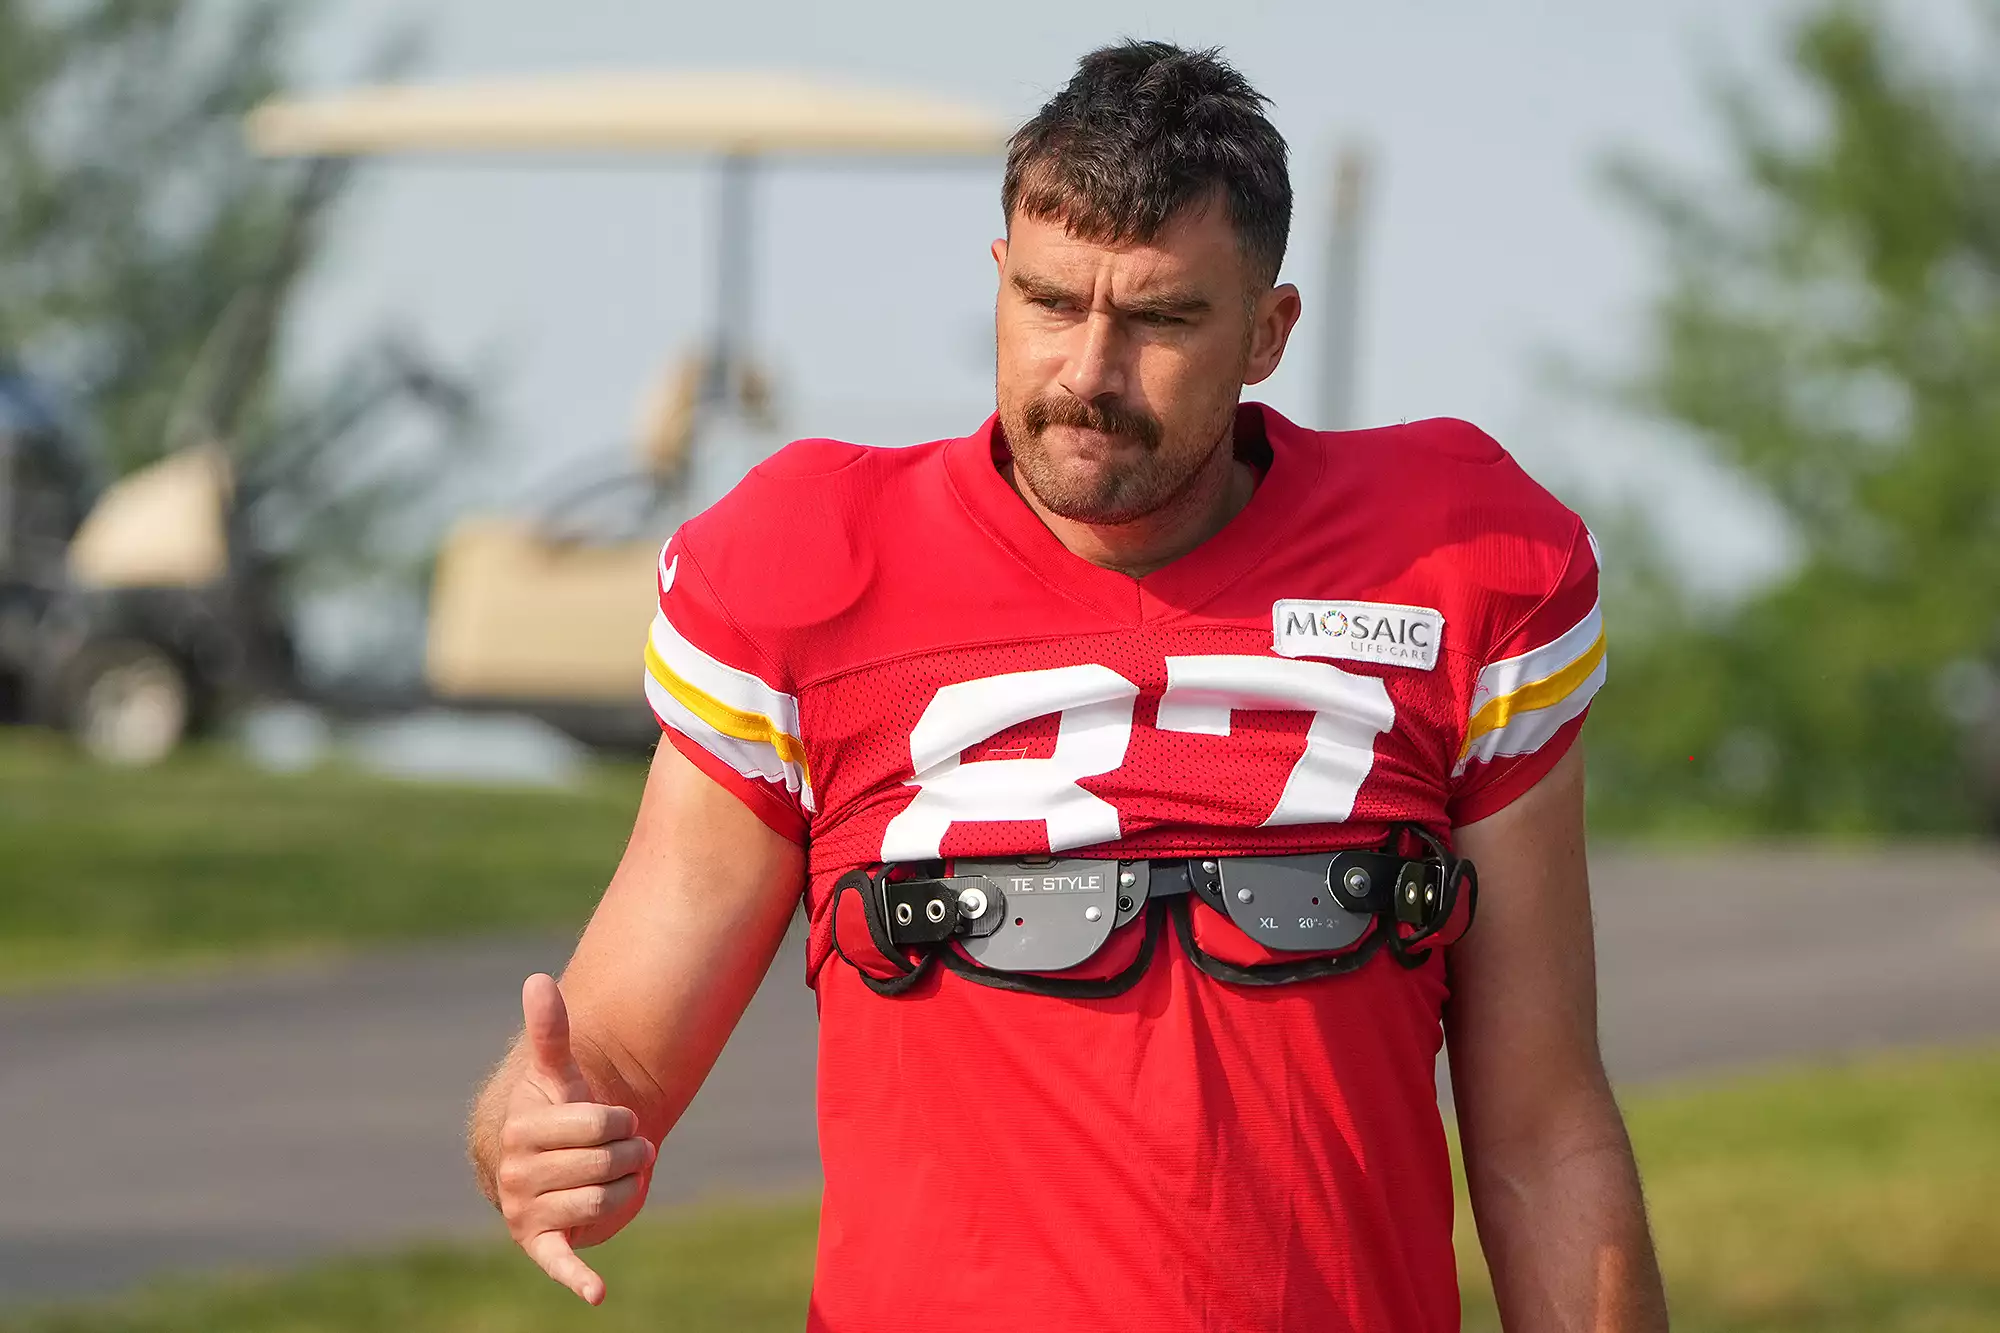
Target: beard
1132	478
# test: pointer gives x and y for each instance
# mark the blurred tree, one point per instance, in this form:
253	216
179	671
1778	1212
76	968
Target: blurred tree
1830	331
130	215
147	260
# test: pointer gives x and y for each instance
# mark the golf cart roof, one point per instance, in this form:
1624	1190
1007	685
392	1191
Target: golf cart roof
722	113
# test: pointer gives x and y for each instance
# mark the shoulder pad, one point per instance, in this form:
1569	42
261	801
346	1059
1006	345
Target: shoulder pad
810	458
1456	439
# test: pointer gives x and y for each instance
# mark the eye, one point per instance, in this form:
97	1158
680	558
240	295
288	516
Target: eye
1158	319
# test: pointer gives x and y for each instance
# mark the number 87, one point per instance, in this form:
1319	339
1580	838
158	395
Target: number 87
1094	706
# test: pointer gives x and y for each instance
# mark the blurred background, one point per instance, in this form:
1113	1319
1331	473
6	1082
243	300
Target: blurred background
356	356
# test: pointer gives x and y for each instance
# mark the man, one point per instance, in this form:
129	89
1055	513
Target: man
1224	669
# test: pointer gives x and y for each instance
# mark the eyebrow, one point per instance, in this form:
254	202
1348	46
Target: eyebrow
1041	289
1170	302
1167	303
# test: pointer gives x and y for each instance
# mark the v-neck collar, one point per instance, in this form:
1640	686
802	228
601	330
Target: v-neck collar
1182	585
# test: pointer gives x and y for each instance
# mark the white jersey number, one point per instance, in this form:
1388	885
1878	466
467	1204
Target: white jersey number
1094	706
1349	712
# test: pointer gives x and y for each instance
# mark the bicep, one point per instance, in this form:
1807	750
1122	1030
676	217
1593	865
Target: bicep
1522	1020
683	935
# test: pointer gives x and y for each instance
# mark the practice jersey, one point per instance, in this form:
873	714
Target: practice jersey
887	656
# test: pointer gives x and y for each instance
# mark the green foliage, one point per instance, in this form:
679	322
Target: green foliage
131	215
148	260
1830	331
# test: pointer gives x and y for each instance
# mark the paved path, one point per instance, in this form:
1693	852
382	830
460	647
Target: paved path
258	1120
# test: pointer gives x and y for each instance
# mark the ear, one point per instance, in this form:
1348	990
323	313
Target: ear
1000	254
1271	326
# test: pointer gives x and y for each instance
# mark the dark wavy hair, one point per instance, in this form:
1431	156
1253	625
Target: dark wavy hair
1142	131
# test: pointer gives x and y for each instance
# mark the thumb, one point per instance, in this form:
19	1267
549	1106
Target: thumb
552	1250
546	1020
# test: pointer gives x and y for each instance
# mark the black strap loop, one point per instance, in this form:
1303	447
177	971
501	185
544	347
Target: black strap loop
1455	871
865	884
1269	974
897	985
1064	988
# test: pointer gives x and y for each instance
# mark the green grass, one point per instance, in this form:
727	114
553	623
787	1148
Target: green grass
1859	1199
727	1270
204	858
1834	1200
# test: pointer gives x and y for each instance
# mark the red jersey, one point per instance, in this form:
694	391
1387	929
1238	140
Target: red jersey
888	656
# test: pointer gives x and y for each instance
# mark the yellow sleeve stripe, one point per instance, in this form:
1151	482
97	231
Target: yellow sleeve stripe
734	722
1543	693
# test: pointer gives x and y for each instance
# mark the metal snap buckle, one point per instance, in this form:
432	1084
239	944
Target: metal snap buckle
1419	893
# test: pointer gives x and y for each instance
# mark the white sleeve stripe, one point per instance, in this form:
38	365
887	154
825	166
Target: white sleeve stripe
740	690
1509	674
750	758
1527	732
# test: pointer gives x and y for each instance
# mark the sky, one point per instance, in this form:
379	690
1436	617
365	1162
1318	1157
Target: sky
1492	248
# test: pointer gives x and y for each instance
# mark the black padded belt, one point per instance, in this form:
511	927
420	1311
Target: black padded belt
1008	923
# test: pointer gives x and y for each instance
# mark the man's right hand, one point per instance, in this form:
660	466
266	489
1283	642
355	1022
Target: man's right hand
571	1171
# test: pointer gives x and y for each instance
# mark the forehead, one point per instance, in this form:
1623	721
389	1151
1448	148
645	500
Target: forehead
1197	248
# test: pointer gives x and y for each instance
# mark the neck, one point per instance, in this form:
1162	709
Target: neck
1211	498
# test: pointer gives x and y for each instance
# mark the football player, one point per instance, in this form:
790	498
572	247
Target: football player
1139	758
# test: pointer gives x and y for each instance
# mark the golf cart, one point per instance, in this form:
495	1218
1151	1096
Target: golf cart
543	613
123	618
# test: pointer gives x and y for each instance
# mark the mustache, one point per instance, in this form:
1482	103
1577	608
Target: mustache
1105	414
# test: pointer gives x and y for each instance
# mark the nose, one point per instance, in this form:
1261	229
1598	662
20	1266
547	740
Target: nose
1096	364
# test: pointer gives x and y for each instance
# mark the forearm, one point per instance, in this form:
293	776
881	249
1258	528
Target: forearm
1563	1225
677	946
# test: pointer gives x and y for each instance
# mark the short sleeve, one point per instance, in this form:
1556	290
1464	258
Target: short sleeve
721	702
1529	701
